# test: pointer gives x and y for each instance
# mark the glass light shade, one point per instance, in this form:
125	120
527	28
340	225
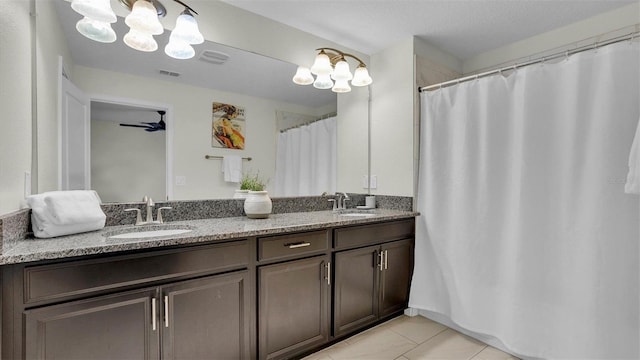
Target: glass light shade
303	76
96	30
322	65
99	10
341	86
140	41
179	49
361	77
187	29
323	82
341	71
144	18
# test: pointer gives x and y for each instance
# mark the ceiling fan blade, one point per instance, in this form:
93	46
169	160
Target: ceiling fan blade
138	126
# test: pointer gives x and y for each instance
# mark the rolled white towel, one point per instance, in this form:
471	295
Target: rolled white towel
60	213
74	207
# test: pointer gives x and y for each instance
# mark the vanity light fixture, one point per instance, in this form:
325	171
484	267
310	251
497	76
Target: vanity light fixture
332	64
143	22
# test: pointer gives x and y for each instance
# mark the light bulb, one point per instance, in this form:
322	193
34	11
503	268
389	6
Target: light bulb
341	86
361	77
140	41
303	76
144	18
99	10
187	29
341	71
323	82
322	65
96	30
179	49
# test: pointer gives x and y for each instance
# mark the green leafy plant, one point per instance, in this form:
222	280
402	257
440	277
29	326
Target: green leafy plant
252	182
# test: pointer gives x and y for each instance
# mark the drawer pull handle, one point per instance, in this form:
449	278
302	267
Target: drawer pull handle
297	245
166	311
153	313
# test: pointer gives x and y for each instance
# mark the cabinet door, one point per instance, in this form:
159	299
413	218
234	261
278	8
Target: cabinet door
396	276
293	307
355	289
109	327
207	318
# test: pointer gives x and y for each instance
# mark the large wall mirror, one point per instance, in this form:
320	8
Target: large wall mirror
129	87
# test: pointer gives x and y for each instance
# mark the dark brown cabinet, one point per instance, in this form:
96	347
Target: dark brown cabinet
110	327
293	306
206	318
371	283
197	319
277	296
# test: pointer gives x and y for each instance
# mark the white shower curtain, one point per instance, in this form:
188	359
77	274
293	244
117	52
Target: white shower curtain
527	236
306	159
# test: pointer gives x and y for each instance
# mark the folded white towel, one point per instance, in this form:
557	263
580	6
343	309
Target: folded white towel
58	213
74	207
232	168
633	177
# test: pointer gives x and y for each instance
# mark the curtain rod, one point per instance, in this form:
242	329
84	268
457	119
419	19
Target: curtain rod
566	53
321	117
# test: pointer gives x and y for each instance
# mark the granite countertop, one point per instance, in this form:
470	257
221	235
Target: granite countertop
207	230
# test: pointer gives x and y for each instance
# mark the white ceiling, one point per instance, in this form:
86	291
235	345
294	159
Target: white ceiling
462	28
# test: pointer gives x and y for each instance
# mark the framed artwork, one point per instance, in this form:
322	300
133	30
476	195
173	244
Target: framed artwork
227	126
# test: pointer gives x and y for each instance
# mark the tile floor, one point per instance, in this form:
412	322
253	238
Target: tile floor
410	338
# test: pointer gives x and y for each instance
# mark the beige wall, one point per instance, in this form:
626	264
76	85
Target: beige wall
50	45
15	101
190	112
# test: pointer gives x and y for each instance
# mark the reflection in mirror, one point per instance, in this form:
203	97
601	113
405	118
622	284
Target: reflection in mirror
186	89
140	152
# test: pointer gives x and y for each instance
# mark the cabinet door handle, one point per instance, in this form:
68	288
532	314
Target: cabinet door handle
328	273
166	311
297	245
381	260
386	259
153	314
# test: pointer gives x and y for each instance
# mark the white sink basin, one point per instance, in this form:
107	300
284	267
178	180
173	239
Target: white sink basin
147	234
358	214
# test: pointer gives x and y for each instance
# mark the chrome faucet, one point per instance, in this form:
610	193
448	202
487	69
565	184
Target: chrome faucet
150	204
340	201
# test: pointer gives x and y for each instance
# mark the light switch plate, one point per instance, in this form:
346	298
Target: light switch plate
374	181
365	181
181	180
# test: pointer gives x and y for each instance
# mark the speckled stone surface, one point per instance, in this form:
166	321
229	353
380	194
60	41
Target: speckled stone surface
204	230
13	227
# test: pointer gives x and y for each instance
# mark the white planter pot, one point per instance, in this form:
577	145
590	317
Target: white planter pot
257	205
241	194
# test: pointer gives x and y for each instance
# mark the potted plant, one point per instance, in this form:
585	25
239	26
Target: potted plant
257	204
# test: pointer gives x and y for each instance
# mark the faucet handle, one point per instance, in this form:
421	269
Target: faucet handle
138	216
159	217
335	204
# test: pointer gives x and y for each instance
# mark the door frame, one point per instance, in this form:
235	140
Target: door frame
168	131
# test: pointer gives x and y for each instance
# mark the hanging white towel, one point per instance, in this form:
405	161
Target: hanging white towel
633	178
58	213
232	168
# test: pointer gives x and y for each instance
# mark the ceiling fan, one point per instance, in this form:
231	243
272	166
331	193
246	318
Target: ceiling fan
151	126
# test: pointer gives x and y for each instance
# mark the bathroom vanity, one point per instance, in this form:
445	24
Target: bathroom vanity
234	287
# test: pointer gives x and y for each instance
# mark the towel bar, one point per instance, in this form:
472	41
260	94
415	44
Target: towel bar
209	157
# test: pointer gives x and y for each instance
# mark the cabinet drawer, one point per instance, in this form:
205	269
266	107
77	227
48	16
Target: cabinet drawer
362	235
275	247
78	278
